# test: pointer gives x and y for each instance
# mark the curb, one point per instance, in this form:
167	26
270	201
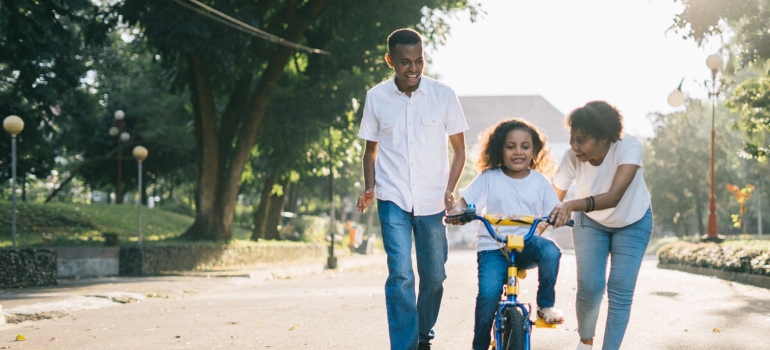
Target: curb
760	281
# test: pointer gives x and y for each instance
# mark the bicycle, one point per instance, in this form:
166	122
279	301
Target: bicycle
513	325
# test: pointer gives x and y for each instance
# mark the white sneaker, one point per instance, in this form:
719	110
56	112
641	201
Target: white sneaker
582	346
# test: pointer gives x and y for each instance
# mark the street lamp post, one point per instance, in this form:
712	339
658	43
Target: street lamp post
13	125
118	129
715	63
676	99
140	154
331	262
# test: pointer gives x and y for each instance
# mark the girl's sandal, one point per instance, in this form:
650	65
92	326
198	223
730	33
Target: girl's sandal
550	315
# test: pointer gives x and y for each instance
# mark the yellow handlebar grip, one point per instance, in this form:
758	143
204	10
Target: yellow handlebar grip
510	220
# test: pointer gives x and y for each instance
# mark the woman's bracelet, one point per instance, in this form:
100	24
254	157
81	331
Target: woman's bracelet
590	203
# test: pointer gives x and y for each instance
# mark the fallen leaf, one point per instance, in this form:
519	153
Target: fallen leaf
20	337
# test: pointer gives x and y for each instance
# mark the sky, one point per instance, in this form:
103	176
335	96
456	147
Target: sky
574	51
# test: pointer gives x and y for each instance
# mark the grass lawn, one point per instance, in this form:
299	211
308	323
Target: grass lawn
71	224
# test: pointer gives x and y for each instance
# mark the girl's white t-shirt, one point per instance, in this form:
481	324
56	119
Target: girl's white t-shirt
593	180
493	192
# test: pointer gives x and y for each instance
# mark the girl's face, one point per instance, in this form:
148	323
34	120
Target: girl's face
518	152
587	148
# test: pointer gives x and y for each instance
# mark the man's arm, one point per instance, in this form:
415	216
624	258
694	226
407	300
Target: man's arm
457	142
367	196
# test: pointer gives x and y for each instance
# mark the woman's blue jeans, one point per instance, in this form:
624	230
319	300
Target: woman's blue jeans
411	319
625	247
538	252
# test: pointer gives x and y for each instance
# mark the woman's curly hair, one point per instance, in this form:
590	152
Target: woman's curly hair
597	119
493	142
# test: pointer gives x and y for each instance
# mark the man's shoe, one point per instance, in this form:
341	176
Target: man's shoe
423	346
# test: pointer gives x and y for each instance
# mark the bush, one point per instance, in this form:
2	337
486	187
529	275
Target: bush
745	257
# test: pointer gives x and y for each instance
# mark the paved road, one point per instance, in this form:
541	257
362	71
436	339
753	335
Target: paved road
307	307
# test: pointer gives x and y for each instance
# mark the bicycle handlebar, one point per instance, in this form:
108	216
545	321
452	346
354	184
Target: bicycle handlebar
469	214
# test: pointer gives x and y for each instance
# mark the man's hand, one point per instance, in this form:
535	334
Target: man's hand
364	200
449	200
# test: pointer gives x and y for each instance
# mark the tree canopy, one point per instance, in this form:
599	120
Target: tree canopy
44	53
233	77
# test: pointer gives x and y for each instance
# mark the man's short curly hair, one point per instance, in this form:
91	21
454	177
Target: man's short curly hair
404	36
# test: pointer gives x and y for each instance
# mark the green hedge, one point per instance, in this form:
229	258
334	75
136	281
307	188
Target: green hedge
727	257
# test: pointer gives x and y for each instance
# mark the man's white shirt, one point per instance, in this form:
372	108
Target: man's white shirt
412	166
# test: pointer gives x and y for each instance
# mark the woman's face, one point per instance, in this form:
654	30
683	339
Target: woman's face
518	152
587	148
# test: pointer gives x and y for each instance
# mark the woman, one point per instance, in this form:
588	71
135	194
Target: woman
612	216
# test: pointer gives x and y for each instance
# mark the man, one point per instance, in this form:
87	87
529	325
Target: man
406	122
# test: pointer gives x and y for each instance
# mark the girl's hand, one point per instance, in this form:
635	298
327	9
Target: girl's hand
454	220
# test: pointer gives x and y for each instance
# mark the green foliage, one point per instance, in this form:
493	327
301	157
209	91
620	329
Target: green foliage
248	90
86	224
676	163
749	28
744	256
746	19
45	48
75	224
751	100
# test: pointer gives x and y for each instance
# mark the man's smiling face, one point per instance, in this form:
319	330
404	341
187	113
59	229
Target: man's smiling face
407	62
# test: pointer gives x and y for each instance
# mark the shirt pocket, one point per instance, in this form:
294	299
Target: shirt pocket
388	133
432	129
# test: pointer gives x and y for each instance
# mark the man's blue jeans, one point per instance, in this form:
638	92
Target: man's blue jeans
411	319
625	247
538	252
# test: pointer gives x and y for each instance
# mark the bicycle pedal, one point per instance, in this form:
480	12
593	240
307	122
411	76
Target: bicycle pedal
540	323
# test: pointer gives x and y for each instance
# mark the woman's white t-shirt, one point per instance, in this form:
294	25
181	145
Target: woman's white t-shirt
593	180
493	192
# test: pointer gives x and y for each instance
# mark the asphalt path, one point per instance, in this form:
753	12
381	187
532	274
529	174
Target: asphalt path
310	307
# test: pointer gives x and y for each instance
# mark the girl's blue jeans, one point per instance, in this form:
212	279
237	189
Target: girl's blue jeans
538	252
411	318
625	247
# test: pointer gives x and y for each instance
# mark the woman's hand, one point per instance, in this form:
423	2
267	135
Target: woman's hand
561	214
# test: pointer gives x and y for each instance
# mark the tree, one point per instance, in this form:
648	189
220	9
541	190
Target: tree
747	21
676	168
45	48
232	75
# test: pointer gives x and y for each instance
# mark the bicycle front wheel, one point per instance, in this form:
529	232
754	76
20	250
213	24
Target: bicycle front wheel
514	329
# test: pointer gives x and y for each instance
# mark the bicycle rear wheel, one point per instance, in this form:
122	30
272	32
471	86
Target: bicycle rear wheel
514	329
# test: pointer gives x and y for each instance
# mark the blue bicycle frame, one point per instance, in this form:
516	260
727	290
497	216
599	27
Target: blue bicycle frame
511	242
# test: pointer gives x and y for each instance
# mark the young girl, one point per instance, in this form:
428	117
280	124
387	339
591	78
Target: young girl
512	162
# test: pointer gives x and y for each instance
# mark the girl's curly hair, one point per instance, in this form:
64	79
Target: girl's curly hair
494	140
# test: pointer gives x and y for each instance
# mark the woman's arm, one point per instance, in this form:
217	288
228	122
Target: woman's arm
562	213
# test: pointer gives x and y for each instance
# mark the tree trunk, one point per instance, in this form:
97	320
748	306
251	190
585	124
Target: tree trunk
699	214
260	215
274	211
223	151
